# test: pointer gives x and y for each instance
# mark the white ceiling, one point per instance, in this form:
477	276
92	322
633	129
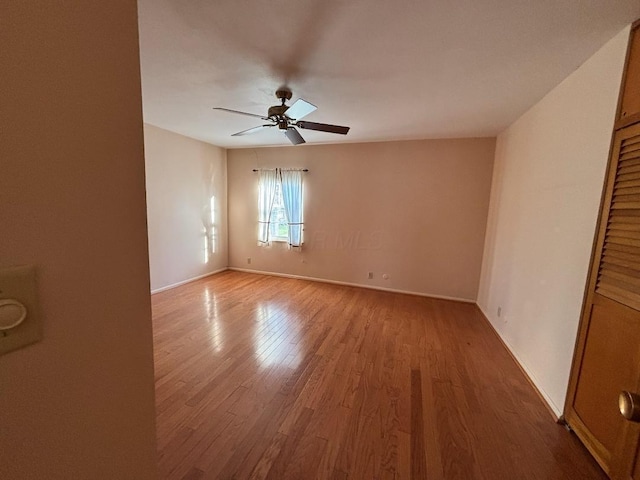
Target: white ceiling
389	69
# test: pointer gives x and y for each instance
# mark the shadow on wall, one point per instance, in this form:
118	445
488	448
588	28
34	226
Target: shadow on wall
287	51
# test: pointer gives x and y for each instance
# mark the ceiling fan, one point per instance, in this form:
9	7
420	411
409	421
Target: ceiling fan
287	118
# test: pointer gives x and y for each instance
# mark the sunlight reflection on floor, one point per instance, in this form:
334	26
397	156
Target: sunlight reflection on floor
217	331
275	335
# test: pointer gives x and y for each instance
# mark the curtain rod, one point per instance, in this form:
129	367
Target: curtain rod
272	169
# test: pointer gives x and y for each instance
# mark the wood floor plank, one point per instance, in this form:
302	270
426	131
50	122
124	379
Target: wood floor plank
306	459
181	457
264	377
432	444
418	460
253	445
281	462
193	474
264	464
332	428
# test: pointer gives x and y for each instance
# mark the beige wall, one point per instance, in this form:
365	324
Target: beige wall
79	404
545	197
182	175
413	210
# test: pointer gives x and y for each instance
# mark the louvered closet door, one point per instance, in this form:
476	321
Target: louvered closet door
608	357
619	272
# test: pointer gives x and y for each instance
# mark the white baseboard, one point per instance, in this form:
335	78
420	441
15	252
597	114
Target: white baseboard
349	284
553	408
174	285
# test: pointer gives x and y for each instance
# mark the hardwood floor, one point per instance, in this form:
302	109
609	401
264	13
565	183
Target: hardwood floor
270	378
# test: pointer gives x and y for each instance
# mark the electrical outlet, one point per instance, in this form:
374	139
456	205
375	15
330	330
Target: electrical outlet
499	311
370	275
248	260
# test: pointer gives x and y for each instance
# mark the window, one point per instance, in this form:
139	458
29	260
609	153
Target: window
280	206
278	225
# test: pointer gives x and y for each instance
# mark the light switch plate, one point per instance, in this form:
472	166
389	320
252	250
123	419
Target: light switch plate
19	283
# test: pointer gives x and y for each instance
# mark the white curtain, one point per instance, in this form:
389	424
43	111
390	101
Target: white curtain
291	182
266	194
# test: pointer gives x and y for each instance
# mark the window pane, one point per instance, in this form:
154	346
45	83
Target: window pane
278	228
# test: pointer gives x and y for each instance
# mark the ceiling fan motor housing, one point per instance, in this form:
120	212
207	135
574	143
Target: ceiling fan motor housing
277	111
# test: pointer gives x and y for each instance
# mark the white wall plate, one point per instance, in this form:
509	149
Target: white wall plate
19	284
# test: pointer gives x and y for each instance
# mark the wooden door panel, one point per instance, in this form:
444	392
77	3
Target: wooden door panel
626	463
610	353
630	101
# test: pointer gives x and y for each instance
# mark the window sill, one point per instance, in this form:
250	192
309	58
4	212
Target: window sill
282	240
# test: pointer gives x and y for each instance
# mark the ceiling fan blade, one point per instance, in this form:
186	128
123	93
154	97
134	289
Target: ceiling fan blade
300	108
257	129
294	136
240	113
323	127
